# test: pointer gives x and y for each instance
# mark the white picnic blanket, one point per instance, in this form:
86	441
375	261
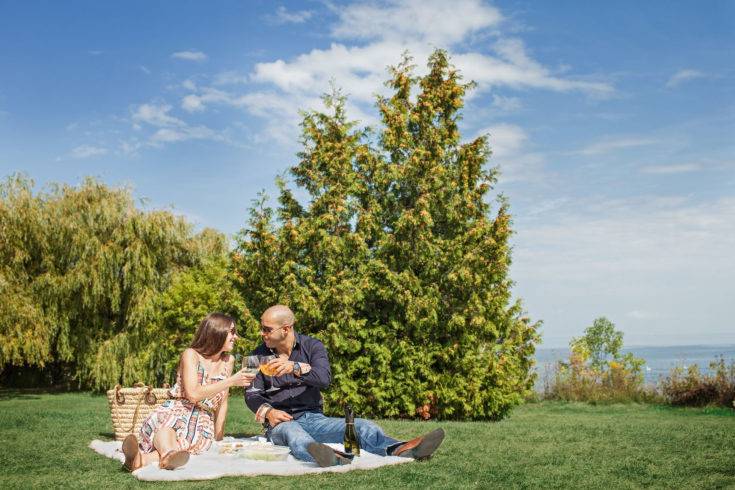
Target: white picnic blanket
212	464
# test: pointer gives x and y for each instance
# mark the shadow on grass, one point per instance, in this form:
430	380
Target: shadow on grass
20	394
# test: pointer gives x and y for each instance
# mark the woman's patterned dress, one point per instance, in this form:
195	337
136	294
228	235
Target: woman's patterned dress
192	422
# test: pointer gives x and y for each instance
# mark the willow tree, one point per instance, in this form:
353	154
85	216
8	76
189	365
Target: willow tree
399	260
91	285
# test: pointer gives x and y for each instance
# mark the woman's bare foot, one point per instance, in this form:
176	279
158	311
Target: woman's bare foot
133	459
173	459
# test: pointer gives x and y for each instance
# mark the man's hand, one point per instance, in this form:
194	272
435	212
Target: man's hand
281	366
275	417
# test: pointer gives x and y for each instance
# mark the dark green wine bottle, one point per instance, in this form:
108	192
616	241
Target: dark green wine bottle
351	441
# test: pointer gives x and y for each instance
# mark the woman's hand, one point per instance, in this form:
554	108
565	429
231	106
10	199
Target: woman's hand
241	378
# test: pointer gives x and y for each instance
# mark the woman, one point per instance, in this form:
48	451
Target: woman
188	423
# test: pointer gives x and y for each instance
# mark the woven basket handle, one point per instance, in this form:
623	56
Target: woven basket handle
137	407
150	398
119	397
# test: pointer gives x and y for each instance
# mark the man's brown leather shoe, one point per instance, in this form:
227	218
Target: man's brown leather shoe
421	447
326	456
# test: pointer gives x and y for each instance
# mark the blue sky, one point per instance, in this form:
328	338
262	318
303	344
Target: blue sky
613	124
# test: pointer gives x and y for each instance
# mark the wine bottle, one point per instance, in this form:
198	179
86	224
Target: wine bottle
351	441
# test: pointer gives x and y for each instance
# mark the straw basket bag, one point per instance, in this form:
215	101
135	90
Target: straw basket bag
129	407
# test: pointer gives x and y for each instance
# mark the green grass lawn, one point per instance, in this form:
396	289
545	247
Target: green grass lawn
544	445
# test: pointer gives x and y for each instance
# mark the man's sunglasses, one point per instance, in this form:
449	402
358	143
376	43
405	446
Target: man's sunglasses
270	330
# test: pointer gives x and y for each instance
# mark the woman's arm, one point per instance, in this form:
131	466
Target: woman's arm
221	415
219	418
195	392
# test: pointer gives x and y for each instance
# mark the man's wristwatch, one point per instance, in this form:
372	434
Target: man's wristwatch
296	369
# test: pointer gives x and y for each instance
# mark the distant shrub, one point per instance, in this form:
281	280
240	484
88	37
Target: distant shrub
690	387
616	382
597	372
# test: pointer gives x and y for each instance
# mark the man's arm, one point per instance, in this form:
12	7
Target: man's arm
315	373
319	373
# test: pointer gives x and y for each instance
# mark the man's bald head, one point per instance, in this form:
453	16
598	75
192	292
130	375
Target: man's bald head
278	314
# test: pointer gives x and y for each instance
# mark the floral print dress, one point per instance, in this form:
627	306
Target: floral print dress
192	422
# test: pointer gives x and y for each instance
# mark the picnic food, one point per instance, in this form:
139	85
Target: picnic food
263	451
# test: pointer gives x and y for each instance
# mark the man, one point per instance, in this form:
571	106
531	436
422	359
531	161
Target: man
289	403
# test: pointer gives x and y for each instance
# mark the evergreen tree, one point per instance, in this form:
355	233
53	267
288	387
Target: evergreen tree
398	262
98	292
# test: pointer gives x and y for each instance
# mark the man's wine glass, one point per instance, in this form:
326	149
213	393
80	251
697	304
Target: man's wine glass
266	369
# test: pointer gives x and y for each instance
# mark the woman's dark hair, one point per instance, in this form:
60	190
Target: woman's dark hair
212	333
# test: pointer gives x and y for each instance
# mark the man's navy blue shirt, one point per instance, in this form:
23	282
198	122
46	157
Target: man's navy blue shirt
295	395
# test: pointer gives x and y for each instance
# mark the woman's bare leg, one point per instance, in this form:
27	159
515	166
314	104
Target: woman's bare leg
165	441
148	458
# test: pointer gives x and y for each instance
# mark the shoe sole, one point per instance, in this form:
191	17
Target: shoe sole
322	454
180	458
430	444
130	450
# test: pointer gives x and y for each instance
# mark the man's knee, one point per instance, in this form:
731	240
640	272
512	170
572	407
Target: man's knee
367	428
289	434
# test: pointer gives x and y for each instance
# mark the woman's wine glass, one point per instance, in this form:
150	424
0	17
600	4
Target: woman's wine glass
251	364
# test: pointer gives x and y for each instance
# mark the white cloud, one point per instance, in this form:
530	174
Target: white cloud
611	145
87	151
156	115
510	152
505	139
642	315
513	67
189	55
506	104
657	258
284	16
230	78
169	129
374	35
682	76
671	169
207	95
172	135
434	22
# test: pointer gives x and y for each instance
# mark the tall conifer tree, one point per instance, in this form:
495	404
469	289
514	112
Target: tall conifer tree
398	262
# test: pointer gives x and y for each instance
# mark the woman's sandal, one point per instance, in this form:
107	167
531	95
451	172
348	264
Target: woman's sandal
130	450
173	459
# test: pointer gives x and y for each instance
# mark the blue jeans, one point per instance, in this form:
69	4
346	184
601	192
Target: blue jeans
311	427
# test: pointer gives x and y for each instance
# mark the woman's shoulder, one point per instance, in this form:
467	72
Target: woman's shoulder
190	355
228	359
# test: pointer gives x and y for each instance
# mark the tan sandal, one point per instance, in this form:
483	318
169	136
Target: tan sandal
130	450
173	459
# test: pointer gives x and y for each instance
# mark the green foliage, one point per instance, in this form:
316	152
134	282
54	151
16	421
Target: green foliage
597	371
398	262
83	275
690	387
601	341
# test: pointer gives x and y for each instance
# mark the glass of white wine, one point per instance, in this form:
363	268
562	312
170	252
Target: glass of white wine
251	364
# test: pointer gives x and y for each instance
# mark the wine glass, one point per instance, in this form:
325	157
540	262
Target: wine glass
266	370
251	364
